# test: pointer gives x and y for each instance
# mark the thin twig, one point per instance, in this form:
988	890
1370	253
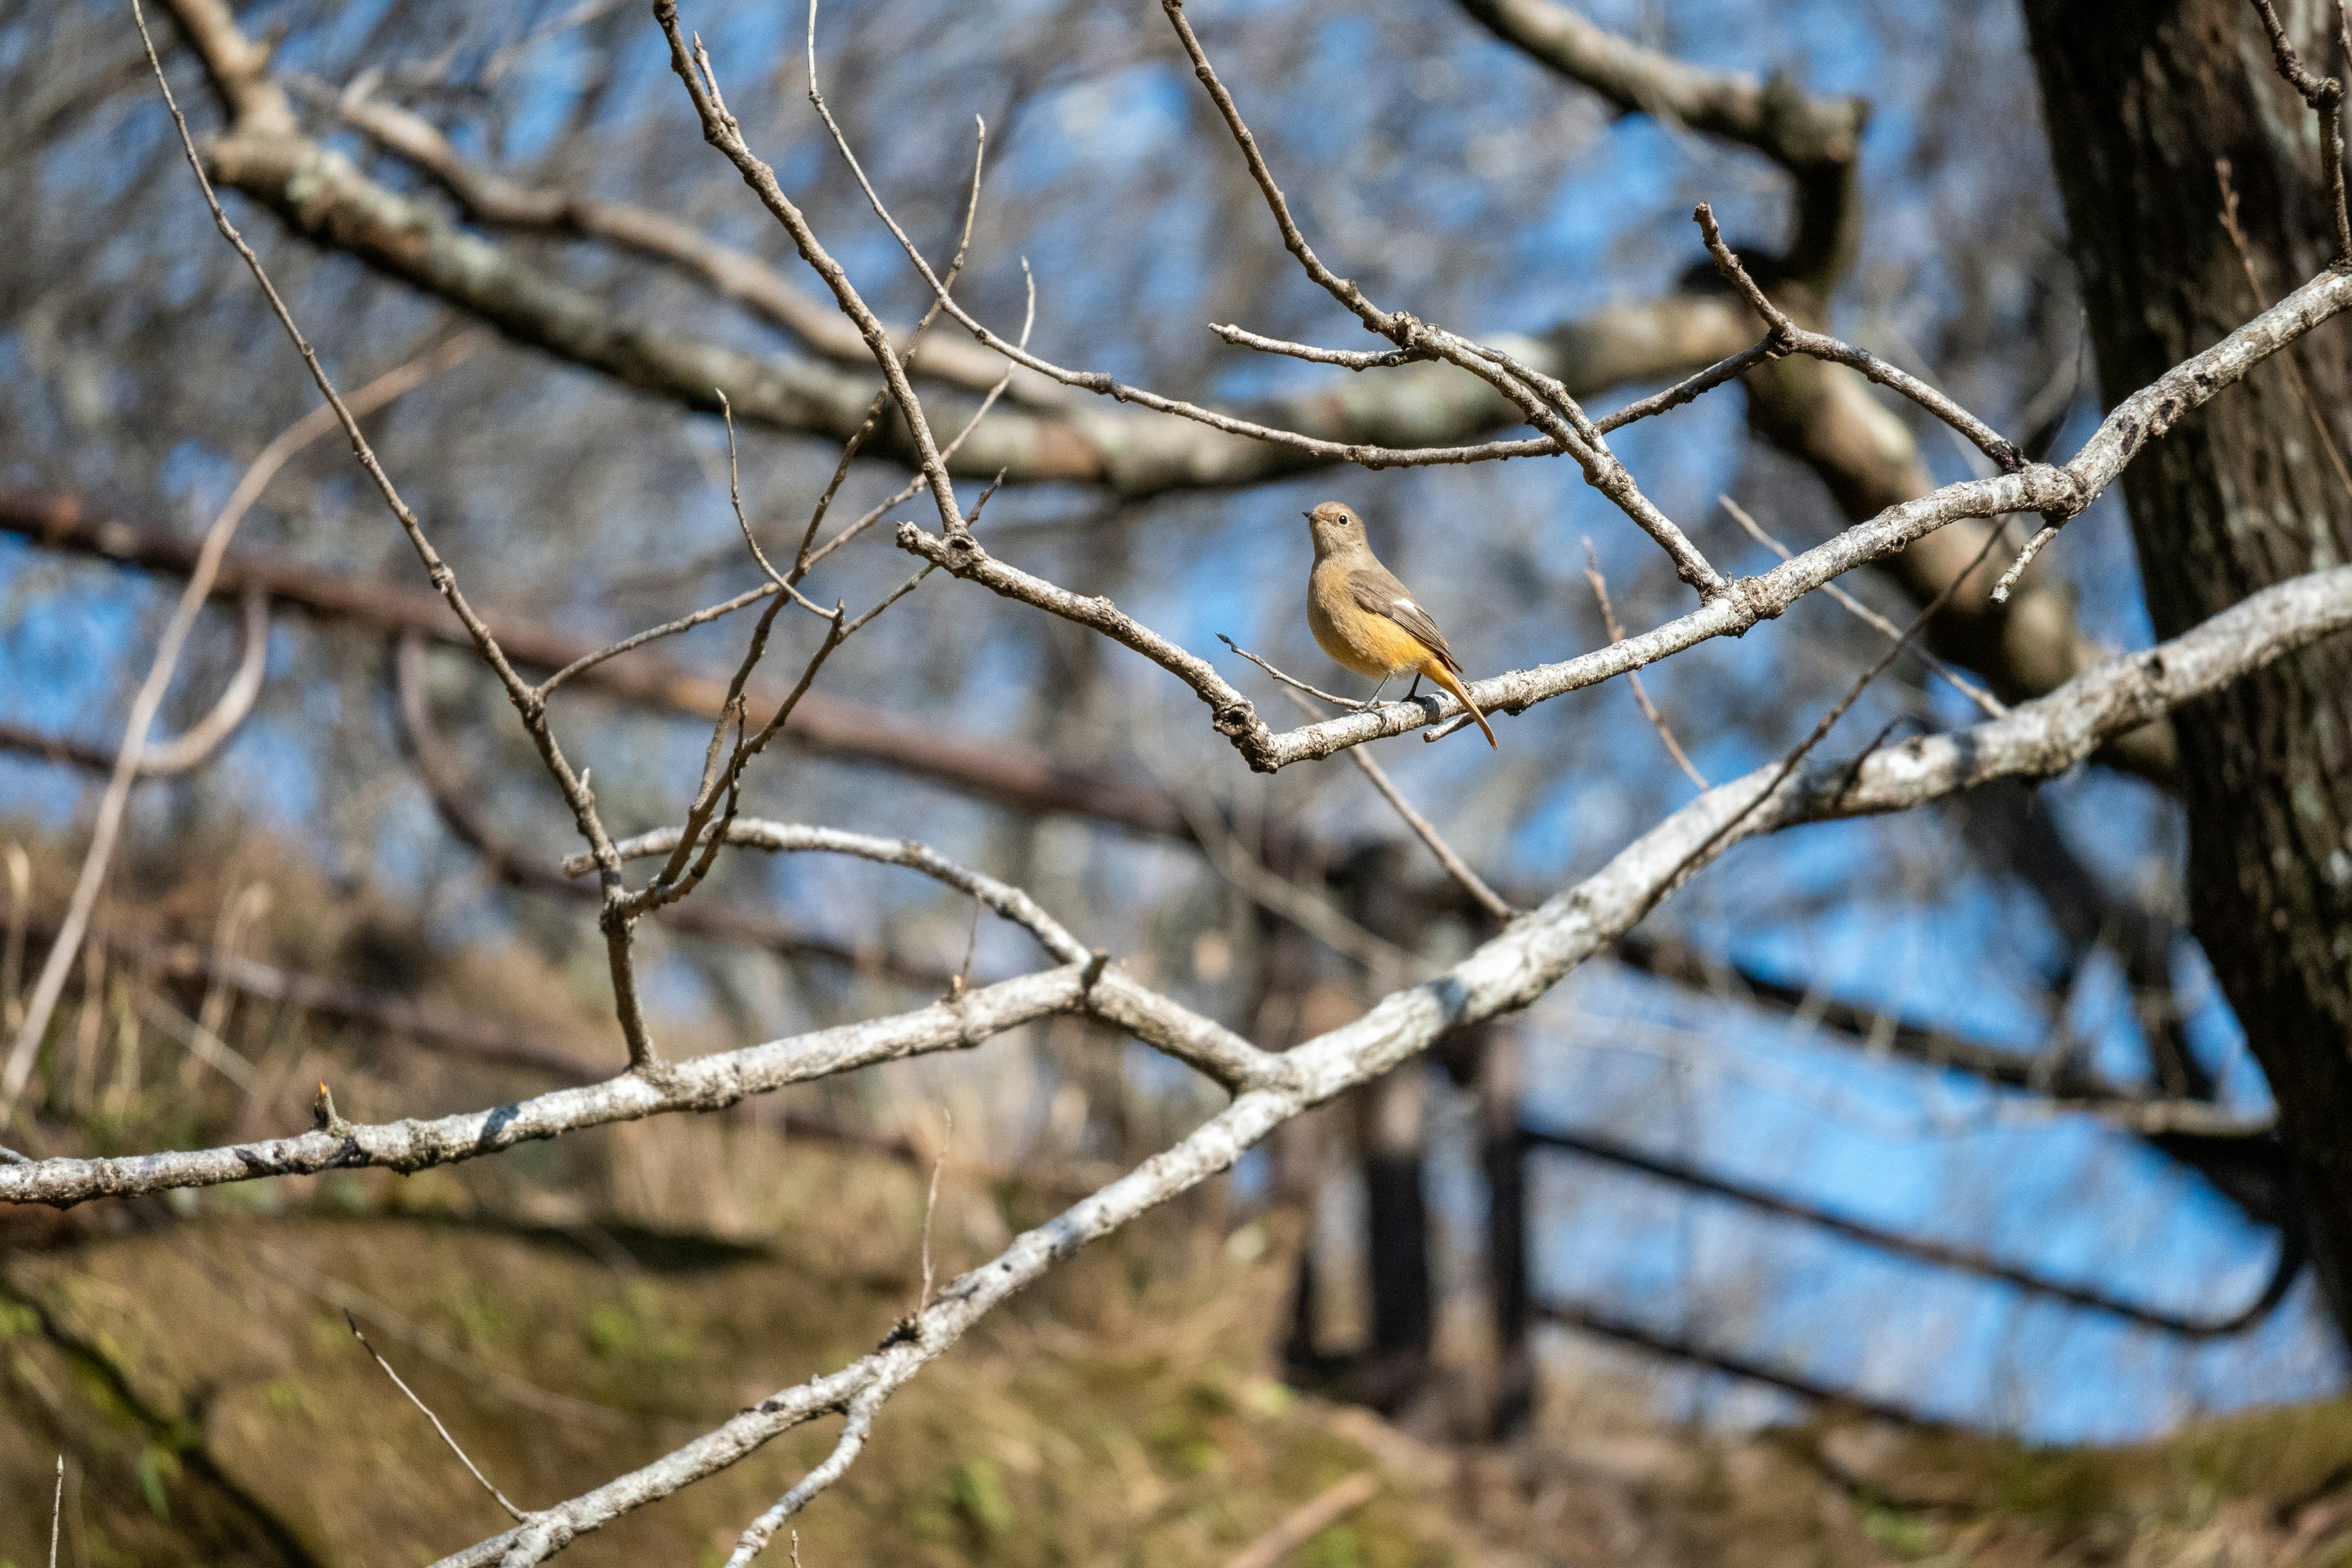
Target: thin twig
517	1515
2326	96
1349	359
686	623
1493	903
1292	680
56	1510
1690	386
1829	720
735	497
1793	339
931	1200
2290	360
907	491
858	1422
1633	678
1990	706
802	559
2025	557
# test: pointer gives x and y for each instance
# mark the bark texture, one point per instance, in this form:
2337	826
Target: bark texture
2143	97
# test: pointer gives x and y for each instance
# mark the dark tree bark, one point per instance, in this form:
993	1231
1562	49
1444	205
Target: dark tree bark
2142	98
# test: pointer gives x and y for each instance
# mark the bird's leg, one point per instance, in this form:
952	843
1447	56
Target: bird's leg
1375	696
1413	690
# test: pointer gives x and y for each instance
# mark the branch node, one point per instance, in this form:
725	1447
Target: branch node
324	1116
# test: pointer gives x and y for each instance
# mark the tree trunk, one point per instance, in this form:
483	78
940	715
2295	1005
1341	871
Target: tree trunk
2143	98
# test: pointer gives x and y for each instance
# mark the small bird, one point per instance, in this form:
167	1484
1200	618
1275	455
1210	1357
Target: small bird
1366	619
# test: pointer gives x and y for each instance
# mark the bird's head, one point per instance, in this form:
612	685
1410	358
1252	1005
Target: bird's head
1336	529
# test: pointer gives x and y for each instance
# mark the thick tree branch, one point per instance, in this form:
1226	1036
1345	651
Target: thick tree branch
699	1083
1112	996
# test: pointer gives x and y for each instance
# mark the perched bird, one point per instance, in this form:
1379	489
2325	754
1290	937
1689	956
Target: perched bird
1366	619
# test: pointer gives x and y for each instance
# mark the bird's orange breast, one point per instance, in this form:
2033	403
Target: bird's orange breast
1368	644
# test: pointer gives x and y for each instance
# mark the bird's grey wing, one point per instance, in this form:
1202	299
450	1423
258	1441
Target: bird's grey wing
1376	589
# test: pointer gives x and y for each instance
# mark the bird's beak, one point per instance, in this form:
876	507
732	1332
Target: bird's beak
1308	515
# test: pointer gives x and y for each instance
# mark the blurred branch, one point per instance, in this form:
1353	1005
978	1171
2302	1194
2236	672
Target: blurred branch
1942	1255
184	753
1817	140
195	746
203	571
830	726
1308	1519
1608	1325
460	809
489	197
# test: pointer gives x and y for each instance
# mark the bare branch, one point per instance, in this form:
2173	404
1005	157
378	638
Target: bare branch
1232	714
1349	359
858	1422
2326	96
1292	681
517	1515
703	1083
1641	694
1993	707
1493	903
1792	339
791	837
1159	1022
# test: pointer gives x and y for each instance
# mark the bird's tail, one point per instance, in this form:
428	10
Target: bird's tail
1436	670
